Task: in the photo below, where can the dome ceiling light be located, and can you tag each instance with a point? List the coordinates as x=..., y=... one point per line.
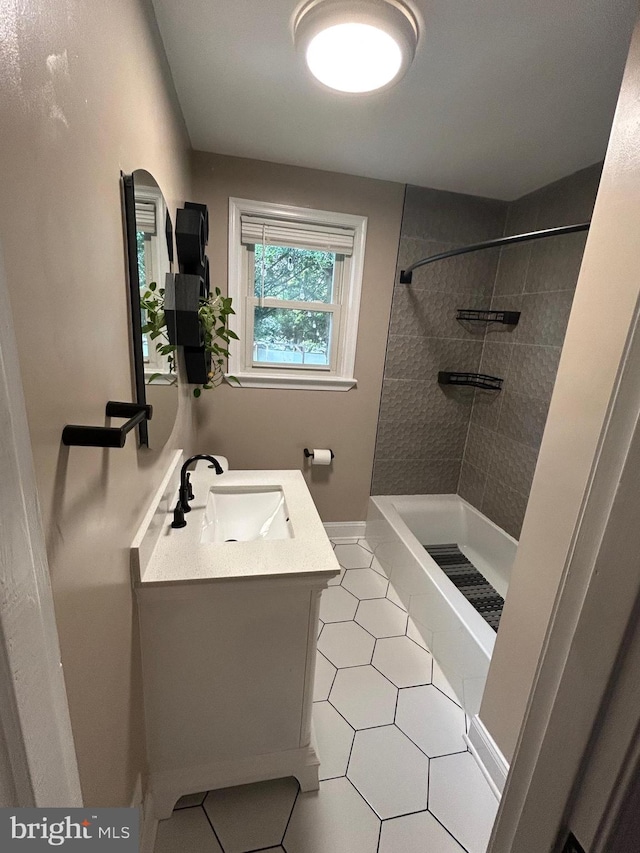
x=356, y=45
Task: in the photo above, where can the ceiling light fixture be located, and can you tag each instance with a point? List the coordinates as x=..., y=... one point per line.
x=356, y=45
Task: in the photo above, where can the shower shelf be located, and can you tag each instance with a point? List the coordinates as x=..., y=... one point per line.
x=470, y=315
x=476, y=380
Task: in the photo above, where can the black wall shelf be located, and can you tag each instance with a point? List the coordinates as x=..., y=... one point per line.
x=475, y=380
x=471, y=315
x=91, y=436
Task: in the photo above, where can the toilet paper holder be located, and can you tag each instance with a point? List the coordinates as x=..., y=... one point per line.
x=309, y=453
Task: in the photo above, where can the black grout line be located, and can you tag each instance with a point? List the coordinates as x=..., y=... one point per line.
x=372, y=810
x=340, y=714
x=404, y=814
x=295, y=800
x=212, y=826
x=379, y=838
x=457, y=704
x=448, y=831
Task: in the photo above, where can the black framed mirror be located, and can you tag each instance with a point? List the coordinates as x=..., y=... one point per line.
x=150, y=253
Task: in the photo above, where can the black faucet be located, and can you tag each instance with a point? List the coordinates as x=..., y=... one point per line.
x=186, y=494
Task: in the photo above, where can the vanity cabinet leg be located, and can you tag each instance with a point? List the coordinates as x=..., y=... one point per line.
x=308, y=778
x=163, y=805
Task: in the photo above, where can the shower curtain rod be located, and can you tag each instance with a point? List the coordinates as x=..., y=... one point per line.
x=406, y=275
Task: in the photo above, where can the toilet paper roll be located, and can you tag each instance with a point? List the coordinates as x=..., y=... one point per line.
x=320, y=456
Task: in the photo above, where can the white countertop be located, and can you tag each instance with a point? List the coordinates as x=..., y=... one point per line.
x=179, y=557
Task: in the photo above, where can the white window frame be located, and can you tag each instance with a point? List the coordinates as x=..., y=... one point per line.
x=156, y=258
x=339, y=376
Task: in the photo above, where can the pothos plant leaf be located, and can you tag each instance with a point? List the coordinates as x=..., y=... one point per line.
x=213, y=313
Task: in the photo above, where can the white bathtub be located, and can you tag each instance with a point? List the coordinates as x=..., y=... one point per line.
x=461, y=641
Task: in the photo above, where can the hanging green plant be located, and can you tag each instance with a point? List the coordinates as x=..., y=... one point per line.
x=152, y=304
x=213, y=314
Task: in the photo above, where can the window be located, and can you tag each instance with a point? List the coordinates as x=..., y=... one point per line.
x=295, y=276
x=153, y=261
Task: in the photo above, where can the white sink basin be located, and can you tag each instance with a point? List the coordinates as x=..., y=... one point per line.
x=243, y=514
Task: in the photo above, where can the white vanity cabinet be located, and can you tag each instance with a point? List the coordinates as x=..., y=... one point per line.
x=229, y=660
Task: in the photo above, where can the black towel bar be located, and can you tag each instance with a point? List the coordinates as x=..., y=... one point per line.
x=93, y=436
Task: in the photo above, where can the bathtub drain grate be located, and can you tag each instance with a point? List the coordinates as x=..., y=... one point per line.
x=474, y=586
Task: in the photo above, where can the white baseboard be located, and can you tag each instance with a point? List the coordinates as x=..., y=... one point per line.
x=345, y=529
x=149, y=828
x=148, y=823
x=485, y=751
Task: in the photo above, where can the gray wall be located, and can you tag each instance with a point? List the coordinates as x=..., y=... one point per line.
x=539, y=280
x=481, y=444
x=421, y=429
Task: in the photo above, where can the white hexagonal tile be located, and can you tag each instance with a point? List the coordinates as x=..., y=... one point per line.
x=432, y=721
x=187, y=829
x=365, y=545
x=393, y=596
x=334, y=819
x=353, y=556
x=377, y=566
x=442, y=684
x=364, y=697
x=461, y=799
x=402, y=661
x=414, y=634
x=365, y=583
x=346, y=644
x=416, y=833
x=389, y=771
x=338, y=578
x=381, y=618
x=325, y=673
x=249, y=817
x=335, y=737
x=337, y=605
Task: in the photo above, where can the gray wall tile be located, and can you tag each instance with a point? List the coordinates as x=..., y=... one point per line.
x=421, y=358
x=504, y=505
x=555, y=263
x=522, y=215
x=415, y=477
x=532, y=370
x=478, y=447
x=512, y=269
x=544, y=318
x=421, y=420
x=522, y=418
x=569, y=200
x=434, y=439
x=470, y=274
x=512, y=463
x=451, y=217
x=471, y=484
x=431, y=314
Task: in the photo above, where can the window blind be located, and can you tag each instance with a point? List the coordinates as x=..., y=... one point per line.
x=298, y=235
x=146, y=217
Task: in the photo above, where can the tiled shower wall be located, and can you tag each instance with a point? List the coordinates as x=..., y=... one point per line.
x=484, y=445
x=538, y=279
x=422, y=429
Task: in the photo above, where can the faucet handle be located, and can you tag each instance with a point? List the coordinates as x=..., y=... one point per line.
x=178, y=516
x=190, y=494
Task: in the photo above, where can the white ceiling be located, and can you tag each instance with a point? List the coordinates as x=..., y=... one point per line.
x=503, y=96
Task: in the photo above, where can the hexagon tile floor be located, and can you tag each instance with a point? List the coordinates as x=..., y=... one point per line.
x=396, y=774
